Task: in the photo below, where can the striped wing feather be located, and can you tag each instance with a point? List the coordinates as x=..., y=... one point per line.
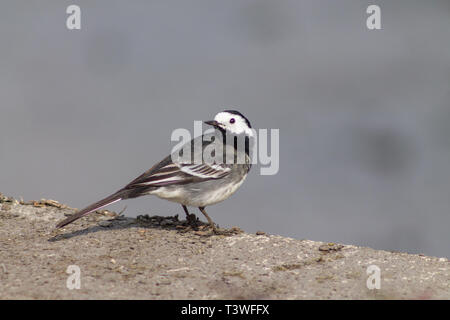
x=169, y=173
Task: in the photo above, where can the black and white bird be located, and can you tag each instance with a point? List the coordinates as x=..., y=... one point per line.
x=190, y=183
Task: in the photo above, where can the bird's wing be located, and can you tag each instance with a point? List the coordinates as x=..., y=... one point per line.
x=206, y=171
x=174, y=170
x=179, y=173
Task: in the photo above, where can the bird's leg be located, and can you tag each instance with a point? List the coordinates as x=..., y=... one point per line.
x=211, y=223
x=190, y=218
x=186, y=211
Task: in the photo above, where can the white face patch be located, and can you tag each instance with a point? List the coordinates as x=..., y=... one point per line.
x=236, y=126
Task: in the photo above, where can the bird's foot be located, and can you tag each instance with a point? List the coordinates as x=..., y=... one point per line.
x=214, y=229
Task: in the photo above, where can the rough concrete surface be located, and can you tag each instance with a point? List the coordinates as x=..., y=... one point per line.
x=163, y=258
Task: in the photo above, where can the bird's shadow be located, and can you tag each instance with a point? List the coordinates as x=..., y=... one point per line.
x=153, y=222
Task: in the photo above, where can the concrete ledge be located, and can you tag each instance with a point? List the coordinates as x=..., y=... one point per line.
x=157, y=258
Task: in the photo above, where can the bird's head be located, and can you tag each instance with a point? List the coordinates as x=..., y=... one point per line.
x=232, y=121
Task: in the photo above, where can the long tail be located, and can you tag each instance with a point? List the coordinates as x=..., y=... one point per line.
x=95, y=206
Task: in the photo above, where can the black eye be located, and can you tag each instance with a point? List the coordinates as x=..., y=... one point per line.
x=232, y=120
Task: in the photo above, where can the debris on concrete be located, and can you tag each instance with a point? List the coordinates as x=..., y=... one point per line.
x=164, y=257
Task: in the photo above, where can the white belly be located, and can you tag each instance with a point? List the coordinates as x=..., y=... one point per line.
x=197, y=197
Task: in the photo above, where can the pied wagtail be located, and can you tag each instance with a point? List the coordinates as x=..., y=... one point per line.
x=190, y=183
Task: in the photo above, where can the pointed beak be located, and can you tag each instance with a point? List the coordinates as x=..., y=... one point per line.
x=213, y=123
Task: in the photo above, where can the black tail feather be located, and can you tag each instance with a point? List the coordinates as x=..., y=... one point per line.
x=95, y=206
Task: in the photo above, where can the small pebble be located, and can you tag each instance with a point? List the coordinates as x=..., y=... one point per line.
x=104, y=224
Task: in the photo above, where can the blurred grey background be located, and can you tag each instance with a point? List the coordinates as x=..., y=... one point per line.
x=363, y=115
